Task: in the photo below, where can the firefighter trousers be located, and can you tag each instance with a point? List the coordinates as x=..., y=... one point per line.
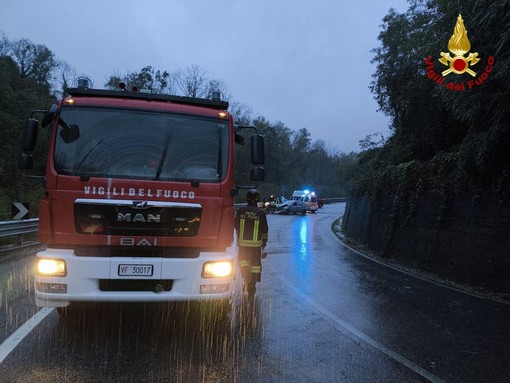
x=249, y=260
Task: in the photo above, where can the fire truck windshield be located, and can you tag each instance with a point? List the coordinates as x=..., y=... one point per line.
x=120, y=143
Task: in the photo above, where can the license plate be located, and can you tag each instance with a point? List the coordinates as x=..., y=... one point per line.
x=135, y=270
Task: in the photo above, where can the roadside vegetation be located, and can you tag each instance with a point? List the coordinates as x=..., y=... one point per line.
x=443, y=140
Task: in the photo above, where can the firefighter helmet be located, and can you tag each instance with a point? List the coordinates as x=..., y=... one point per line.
x=252, y=197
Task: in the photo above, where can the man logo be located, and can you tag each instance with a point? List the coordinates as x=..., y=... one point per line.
x=140, y=204
x=128, y=217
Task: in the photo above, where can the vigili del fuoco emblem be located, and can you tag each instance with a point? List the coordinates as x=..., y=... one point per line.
x=459, y=45
x=457, y=61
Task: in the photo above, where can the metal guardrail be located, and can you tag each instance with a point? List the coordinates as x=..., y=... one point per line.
x=333, y=200
x=26, y=226
x=14, y=231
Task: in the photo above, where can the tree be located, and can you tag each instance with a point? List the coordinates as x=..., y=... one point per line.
x=190, y=82
x=35, y=61
x=428, y=119
x=293, y=161
x=372, y=141
x=278, y=150
x=156, y=81
x=242, y=113
x=193, y=82
x=65, y=77
x=4, y=45
x=17, y=97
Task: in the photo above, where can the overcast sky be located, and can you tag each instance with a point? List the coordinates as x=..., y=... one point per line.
x=305, y=63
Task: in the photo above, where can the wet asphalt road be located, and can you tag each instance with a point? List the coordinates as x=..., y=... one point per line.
x=322, y=314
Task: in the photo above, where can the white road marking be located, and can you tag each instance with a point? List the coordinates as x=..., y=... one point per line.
x=11, y=342
x=343, y=326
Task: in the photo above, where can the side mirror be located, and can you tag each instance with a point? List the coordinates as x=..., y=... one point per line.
x=239, y=139
x=257, y=150
x=70, y=133
x=29, y=135
x=257, y=173
x=25, y=161
x=49, y=116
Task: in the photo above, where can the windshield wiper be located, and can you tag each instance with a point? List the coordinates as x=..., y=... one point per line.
x=163, y=157
x=86, y=155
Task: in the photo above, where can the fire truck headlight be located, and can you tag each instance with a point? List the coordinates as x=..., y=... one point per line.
x=221, y=269
x=51, y=267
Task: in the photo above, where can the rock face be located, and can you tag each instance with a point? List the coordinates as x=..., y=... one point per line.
x=463, y=238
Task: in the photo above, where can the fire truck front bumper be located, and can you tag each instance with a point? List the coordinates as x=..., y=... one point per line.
x=63, y=277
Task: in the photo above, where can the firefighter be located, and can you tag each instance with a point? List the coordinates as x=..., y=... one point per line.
x=251, y=229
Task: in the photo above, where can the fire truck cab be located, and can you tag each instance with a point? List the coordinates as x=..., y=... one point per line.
x=138, y=205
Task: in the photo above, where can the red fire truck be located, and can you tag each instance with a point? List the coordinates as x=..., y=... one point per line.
x=138, y=205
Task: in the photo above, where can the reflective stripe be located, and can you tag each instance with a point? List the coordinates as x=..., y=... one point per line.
x=249, y=243
x=241, y=228
x=244, y=263
x=254, y=241
x=256, y=269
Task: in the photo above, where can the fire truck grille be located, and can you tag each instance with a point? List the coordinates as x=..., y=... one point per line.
x=131, y=220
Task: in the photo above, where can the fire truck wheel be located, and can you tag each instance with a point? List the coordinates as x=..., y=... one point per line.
x=64, y=311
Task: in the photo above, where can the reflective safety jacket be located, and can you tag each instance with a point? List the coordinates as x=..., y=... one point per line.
x=251, y=227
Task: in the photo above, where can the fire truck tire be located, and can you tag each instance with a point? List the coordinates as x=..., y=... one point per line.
x=64, y=311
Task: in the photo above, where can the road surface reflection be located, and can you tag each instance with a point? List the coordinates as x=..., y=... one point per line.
x=302, y=249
